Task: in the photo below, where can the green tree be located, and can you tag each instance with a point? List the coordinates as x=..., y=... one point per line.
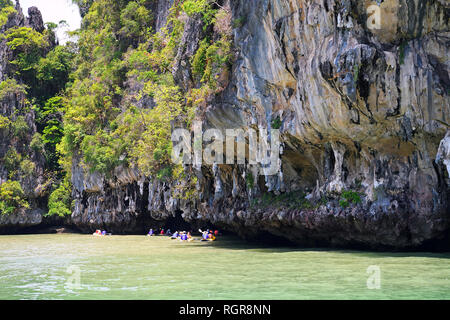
x=52, y=71
x=12, y=159
x=5, y=11
x=59, y=200
x=11, y=87
x=12, y=197
x=28, y=47
x=135, y=20
x=20, y=127
x=5, y=3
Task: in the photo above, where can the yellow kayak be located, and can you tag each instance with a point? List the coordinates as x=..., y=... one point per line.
x=210, y=239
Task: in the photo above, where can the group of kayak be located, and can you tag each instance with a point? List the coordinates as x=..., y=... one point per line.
x=207, y=235
x=99, y=233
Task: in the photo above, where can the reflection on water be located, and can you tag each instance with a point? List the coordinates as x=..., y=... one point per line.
x=137, y=267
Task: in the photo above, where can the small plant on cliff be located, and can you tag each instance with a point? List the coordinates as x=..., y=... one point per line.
x=276, y=123
x=186, y=186
x=5, y=3
x=210, y=60
x=12, y=197
x=28, y=45
x=239, y=22
x=12, y=159
x=250, y=180
x=204, y=7
x=348, y=197
x=11, y=87
x=27, y=168
x=401, y=52
x=199, y=60
x=37, y=144
x=5, y=12
x=20, y=127
x=292, y=200
x=59, y=201
x=4, y=122
x=135, y=19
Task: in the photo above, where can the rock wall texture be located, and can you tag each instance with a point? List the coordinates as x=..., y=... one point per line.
x=13, y=105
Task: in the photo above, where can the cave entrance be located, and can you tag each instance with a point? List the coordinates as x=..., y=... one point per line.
x=177, y=222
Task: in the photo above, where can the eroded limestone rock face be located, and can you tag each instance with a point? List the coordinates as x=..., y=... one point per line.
x=361, y=109
x=12, y=105
x=361, y=89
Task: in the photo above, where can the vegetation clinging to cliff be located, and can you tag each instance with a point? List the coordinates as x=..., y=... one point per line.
x=111, y=97
x=12, y=197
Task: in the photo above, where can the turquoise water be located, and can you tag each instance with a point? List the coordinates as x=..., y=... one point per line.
x=73, y=266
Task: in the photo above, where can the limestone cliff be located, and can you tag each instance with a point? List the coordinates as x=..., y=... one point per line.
x=361, y=108
x=360, y=93
x=15, y=138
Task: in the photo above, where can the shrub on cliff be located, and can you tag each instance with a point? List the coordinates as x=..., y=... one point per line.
x=214, y=54
x=11, y=87
x=20, y=127
x=5, y=11
x=4, y=122
x=27, y=45
x=52, y=71
x=12, y=197
x=348, y=197
x=135, y=19
x=12, y=159
x=5, y=3
x=59, y=201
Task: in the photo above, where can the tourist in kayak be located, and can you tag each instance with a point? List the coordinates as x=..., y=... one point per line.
x=183, y=236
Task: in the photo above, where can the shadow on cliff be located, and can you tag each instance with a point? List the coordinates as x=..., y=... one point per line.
x=233, y=242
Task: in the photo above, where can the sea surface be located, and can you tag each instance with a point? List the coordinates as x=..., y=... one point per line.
x=74, y=266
